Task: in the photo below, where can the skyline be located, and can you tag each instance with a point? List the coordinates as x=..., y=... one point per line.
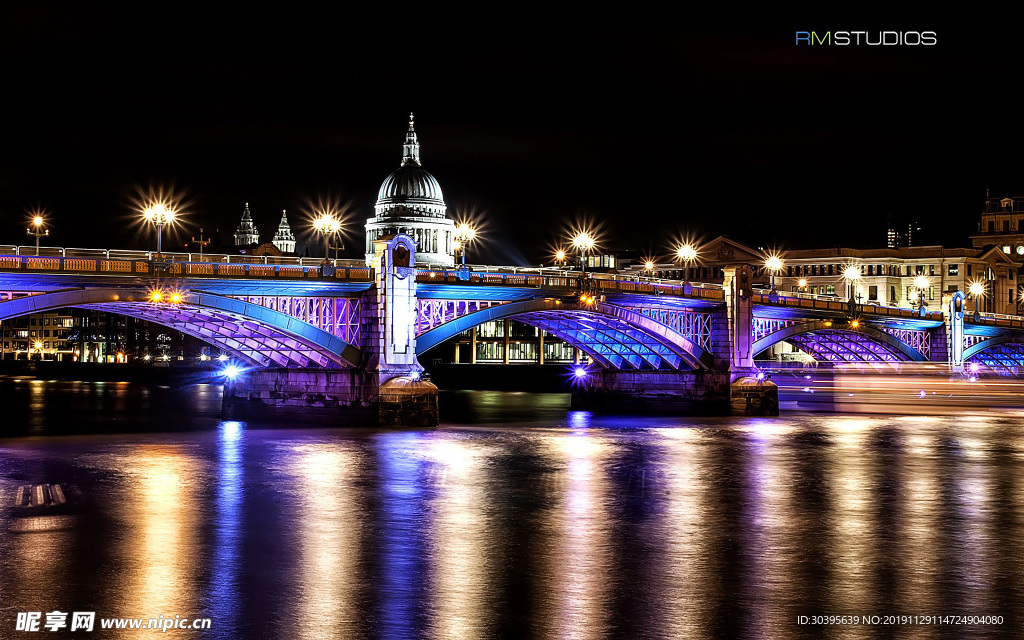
x=651, y=133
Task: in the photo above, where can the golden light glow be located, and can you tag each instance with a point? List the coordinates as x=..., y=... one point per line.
x=465, y=233
x=37, y=221
x=773, y=263
x=327, y=223
x=39, y=345
x=827, y=323
x=560, y=255
x=976, y=289
x=159, y=213
x=156, y=296
x=175, y=298
x=686, y=253
x=583, y=241
x=855, y=324
x=851, y=272
x=649, y=265
x=921, y=282
x=802, y=282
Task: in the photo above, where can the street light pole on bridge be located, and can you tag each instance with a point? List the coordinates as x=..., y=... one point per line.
x=37, y=230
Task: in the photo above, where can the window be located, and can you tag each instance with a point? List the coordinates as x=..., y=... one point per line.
x=789, y=270
x=892, y=293
x=931, y=293
x=830, y=267
x=872, y=293
x=1006, y=226
x=1006, y=248
x=931, y=269
x=968, y=268
x=908, y=269
x=1009, y=295
x=954, y=270
x=871, y=269
x=830, y=290
x=991, y=226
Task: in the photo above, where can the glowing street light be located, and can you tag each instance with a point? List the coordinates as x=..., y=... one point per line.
x=583, y=242
x=773, y=264
x=560, y=257
x=921, y=283
x=159, y=214
x=687, y=254
x=38, y=230
x=852, y=276
x=464, y=234
x=328, y=226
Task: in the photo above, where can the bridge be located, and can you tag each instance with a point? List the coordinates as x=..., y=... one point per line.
x=351, y=336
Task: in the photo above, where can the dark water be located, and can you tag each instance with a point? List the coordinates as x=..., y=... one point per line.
x=534, y=522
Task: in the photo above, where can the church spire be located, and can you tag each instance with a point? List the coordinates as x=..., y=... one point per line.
x=411, y=148
x=284, y=239
x=246, y=233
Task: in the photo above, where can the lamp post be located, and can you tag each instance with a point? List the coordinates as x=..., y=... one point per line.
x=687, y=254
x=159, y=215
x=976, y=290
x=464, y=234
x=851, y=275
x=327, y=225
x=583, y=242
x=773, y=264
x=560, y=257
x=802, y=284
x=38, y=230
x=921, y=284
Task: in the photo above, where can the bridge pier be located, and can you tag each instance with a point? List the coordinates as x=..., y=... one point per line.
x=660, y=392
x=386, y=387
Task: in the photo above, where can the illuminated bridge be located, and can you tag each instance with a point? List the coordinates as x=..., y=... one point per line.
x=363, y=328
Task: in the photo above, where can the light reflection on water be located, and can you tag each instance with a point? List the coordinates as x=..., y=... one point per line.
x=584, y=527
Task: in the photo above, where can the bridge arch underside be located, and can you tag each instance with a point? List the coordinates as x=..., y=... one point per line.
x=1004, y=357
x=838, y=346
x=249, y=333
x=614, y=337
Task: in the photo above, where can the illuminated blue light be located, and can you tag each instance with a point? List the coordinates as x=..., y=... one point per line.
x=580, y=372
x=974, y=367
x=760, y=376
x=231, y=371
x=414, y=375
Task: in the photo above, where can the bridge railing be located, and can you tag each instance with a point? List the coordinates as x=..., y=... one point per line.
x=995, y=320
x=836, y=304
x=173, y=256
x=143, y=267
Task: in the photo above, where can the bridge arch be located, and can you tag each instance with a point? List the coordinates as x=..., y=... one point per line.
x=1002, y=354
x=843, y=343
x=616, y=337
x=249, y=332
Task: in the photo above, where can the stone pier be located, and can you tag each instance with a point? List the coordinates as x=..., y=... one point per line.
x=386, y=387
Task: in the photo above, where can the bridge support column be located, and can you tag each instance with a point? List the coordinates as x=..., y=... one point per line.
x=953, y=314
x=733, y=341
x=661, y=392
x=386, y=387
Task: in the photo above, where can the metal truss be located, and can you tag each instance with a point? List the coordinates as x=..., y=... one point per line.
x=611, y=341
x=1006, y=359
x=696, y=326
x=845, y=347
x=762, y=327
x=919, y=340
x=336, y=316
x=431, y=313
x=972, y=339
x=259, y=343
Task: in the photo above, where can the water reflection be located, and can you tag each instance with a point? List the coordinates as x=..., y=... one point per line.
x=585, y=529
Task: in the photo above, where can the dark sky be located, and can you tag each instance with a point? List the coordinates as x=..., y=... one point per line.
x=650, y=128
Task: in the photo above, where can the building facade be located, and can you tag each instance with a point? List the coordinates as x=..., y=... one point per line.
x=410, y=201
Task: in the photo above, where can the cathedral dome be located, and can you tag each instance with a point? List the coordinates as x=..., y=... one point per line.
x=410, y=183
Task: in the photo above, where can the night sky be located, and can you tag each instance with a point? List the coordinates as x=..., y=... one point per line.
x=650, y=131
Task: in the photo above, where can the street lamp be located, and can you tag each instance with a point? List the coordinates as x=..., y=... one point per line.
x=464, y=234
x=977, y=290
x=802, y=283
x=773, y=264
x=852, y=276
x=583, y=242
x=159, y=215
x=687, y=254
x=560, y=257
x=921, y=284
x=327, y=225
x=38, y=230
